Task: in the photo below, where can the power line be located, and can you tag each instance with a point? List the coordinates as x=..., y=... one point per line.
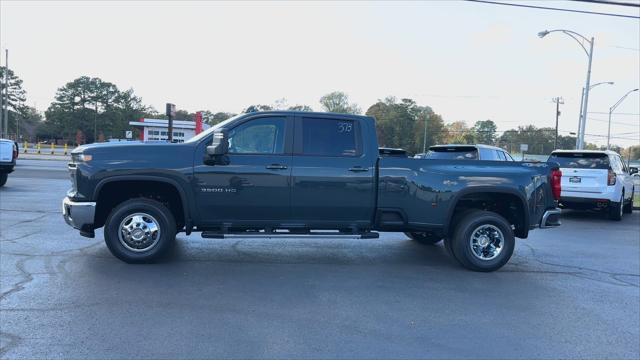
x=606, y=113
x=613, y=122
x=556, y=9
x=605, y=2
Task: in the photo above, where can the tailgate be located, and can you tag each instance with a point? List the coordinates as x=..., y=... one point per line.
x=584, y=180
x=6, y=151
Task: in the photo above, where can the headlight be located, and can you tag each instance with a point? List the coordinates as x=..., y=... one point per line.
x=81, y=157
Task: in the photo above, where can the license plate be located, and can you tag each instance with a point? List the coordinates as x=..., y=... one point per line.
x=575, y=179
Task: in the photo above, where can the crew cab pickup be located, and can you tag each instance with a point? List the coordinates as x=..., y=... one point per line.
x=8, y=156
x=303, y=174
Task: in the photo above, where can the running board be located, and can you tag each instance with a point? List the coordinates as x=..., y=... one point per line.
x=220, y=235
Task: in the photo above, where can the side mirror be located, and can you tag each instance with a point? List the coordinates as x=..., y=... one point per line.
x=220, y=144
x=633, y=170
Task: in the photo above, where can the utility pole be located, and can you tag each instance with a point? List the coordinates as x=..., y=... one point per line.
x=4, y=99
x=5, y=126
x=580, y=121
x=95, y=123
x=587, y=88
x=171, y=113
x=611, y=109
x=424, y=138
x=558, y=101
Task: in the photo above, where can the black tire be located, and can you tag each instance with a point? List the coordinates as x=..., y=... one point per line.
x=424, y=237
x=3, y=179
x=616, y=209
x=479, y=220
x=628, y=207
x=157, y=215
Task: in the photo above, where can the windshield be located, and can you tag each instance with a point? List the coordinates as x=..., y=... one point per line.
x=581, y=160
x=207, y=132
x=453, y=153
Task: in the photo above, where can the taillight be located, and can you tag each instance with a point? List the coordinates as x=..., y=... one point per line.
x=15, y=153
x=556, y=188
x=611, y=179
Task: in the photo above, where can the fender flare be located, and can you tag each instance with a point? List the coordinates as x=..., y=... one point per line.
x=183, y=196
x=487, y=189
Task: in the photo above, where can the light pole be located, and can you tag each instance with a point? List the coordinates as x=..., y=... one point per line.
x=424, y=138
x=559, y=101
x=587, y=87
x=580, y=123
x=611, y=111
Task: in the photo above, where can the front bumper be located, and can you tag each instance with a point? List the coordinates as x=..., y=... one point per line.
x=79, y=215
x=550, y=218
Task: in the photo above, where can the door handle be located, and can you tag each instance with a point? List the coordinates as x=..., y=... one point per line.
x=276, y=167
x=359, y=169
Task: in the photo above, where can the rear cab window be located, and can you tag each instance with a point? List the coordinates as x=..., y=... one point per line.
x=330, y=137
x=452, y=153
x=580, y=160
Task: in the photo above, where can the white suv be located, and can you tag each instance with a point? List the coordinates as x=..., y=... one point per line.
x=593, y=179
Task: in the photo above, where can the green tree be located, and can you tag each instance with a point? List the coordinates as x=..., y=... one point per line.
x=338, y=102
x=213, y=118
x=257, y=108
x=16, y=94
x=539, y=140
x=400, y=124
x=632, y=152
x=300, y=108
x=90, y=106
x=459, y=133
x=485, y=132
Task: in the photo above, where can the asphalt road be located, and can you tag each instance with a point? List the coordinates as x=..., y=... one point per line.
x=570, y=292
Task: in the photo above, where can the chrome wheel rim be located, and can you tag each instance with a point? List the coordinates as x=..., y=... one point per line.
x=486, y=242
x=139, y=232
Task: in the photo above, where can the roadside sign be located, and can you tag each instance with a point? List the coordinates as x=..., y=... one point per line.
x=129, y=134
x=524, y=147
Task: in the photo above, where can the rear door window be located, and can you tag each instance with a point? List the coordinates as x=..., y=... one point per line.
x=453, y=153
x=580, y=160
x=488, y=154
x=330, y=137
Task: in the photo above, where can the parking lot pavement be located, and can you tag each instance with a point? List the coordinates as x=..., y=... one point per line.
x=570, y=292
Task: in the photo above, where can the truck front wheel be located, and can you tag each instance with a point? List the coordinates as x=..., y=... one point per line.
x=3, y=179
x=424, y=237
x=139, y=230
x=482, y=241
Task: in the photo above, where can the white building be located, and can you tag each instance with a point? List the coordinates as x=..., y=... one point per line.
x=157, y=129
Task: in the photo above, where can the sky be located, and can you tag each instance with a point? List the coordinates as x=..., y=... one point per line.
x=468, y=61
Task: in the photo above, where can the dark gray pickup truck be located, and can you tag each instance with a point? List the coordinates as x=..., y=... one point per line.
x=303, y=174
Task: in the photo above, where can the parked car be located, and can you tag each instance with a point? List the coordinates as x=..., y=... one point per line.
x=302, y=173
x=8, y=156
x=465, y=152
x=594, y=179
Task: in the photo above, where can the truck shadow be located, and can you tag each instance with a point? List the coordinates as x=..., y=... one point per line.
x=394, y=250
x=594, y=215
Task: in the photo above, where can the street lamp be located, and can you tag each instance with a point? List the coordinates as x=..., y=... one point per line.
x=611, y=111
x=583, y=111
x=580, y=123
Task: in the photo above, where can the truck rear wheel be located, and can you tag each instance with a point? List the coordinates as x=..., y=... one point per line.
x=616, y=209
x=482, y=241
x=139, y=230
x=424, y=237
x=3, y=179
x=628, y=207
